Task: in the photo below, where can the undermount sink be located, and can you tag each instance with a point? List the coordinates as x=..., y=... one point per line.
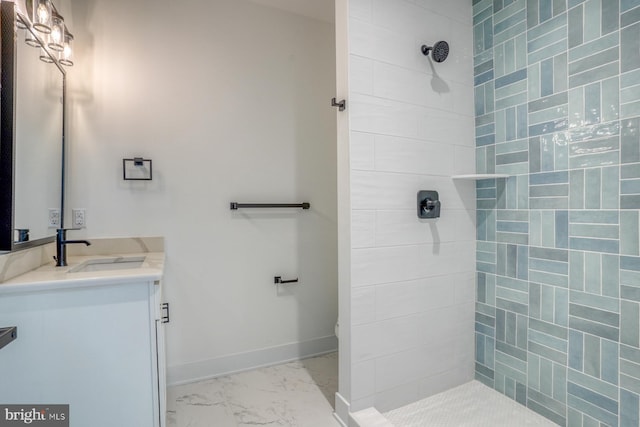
x=108, y=264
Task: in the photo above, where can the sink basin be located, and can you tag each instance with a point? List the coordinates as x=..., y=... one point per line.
x=108, y=264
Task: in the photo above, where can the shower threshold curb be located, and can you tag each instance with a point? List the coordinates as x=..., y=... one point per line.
x=471, y=404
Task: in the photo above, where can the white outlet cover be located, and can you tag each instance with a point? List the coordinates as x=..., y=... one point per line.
x=79, y=218
x=54, y=217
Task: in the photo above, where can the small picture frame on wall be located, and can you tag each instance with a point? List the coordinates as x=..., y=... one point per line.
x=137, y=169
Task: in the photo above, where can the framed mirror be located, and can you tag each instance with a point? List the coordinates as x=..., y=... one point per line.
x=31, y=137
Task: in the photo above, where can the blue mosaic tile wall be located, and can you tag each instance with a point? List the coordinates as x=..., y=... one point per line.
x=557, y=103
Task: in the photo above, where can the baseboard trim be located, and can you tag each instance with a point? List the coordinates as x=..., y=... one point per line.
x=239, y=362
x=342, y=410
x=337, y=418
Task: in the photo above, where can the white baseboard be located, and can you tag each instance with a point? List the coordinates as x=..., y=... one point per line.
x=339, y=420
x=225, y=365
x=342, y=410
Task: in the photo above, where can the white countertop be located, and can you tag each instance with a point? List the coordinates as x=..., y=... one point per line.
x=50, y=277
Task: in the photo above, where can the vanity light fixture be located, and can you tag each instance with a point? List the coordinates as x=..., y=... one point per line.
x=29, y=38
x=56, y=38
x=44, y=56
x=51, y=34
x=66, y=57
x=42, y=15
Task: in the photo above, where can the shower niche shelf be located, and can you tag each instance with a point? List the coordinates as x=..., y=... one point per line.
x=481, y=176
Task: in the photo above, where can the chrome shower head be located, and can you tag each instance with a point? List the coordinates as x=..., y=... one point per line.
x=439, y=51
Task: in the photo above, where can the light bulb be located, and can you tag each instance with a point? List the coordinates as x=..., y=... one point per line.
x=55, y=34
x=43, y=14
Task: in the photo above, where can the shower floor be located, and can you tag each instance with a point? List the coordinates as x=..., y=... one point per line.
x=471, y=404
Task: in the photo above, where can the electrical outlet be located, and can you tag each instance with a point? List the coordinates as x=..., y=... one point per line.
x=79, y=218
x=54, y=218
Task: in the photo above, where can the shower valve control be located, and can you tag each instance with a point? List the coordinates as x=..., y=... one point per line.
x=428, y=204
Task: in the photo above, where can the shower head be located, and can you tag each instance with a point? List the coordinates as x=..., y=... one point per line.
x=439, y=51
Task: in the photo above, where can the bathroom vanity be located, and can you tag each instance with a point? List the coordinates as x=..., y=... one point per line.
x=91, y=336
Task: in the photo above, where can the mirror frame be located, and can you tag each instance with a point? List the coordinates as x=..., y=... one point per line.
x=8, y=75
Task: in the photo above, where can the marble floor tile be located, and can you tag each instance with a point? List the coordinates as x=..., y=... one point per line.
x=295, y=394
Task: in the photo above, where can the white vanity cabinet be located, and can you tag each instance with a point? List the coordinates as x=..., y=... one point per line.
x=98, y=348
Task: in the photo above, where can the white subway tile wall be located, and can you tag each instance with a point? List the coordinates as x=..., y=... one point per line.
x=412, y=128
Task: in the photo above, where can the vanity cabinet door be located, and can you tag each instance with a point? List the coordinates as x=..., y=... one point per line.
x=91, y=348
x=159, y=361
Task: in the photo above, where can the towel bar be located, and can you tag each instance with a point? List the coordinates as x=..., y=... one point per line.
x=235, y=205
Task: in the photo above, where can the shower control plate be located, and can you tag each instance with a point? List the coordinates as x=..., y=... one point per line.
x=428, y=204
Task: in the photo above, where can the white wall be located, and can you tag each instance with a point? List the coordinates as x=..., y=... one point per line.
x=231, y=102
x=411, y=129
x=342, y=400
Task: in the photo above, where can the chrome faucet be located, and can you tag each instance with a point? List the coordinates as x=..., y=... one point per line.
x=61, y=246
